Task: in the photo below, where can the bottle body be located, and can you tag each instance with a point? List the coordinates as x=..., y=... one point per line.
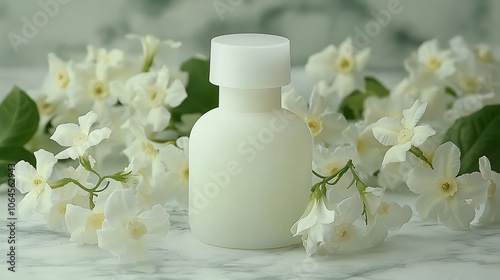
x=249, y=172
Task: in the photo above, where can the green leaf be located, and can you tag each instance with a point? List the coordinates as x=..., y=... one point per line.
x=202, y=95
x=477, y=135
x=18, y=118
x=352, y=106
x=11, y=155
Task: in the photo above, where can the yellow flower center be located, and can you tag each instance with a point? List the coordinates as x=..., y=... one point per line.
x=383, y=209
x=62, y=80
x=148, y=149
x=332, y=167
x=314, y=124
x=80, y=139
x=156, y=98
x=137, y=229
x=99, y=90
x=95, y=220
x=344, y=65
x=37, y=181
x=434, y=63
x=468, y=84
x=46, y=108
x=405, y=135
x=343, y=232
x=485, y=55
x=62, y=209
x=448, y=187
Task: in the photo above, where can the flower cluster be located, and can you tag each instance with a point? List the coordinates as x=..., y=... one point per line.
x=121, y=107
x=368, y=140
x=104, y=211
x=395, y=143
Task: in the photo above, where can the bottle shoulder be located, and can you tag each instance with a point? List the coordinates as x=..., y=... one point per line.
x=227, y=122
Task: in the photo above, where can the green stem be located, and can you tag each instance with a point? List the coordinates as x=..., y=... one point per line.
x=419, y=154
x=148, y=61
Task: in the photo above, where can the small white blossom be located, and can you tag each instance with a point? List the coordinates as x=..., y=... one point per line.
x=445, y=196
x=126, y=232
x=155, y=92
x=79, y=137
x=55, y=217
x=34, y=182
x=69, y=194
x=392, y=215
x=344, y=64
x=369, y=151
x=327, y=161
x=142, y=152
x=325, y=125
x=175, y=159
x=82, y=223
x=313, y=224
x=346, y=236
x=151, y=44
x=431, y=64
x=402, y=134
x=59, y=79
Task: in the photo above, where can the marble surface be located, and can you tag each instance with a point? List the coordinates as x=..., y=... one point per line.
x=417, y=251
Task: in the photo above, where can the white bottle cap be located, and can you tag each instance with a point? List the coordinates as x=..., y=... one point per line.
x=250, y=61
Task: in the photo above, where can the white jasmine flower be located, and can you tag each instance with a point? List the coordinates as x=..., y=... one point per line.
x=55, y=217
x=126, y=232
x=470, y=77
x=92, y=90
x=79, y=137
x=69, y=194
x=150, y=46
x=34, y=182
x=325, y=125
x=491, y=212
x=345, y=235
x=175, y=159
x=82, y=223
x=481, y=51
x=133, y=179
x=445, y=196
x=402, y=134
x=485, y=54
x=344, y=64
x=313, y=224
x=430, y=63
x=101, y=56
x=142, y=152
x=369, y=150
x=59, y=79
x=155, y=92
x=328, y=161
x=392, y=215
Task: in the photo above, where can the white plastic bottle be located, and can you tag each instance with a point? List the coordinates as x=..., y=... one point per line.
x=249, y=159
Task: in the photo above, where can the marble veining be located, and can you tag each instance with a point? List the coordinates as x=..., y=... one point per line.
x=417, y=251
